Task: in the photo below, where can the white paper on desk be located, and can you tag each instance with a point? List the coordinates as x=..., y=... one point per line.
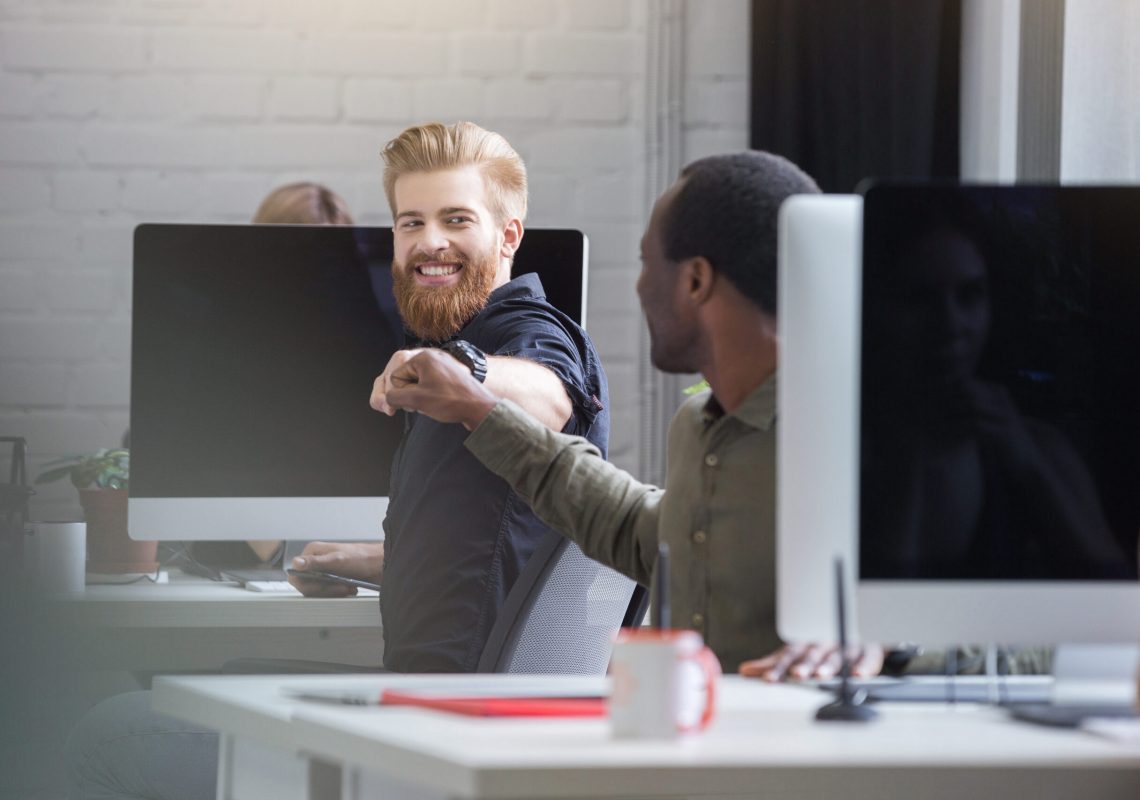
x=127, y=578
x=461, y=686
x=1114, y=728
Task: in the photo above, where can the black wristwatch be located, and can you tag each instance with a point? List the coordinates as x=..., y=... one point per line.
x=470, y=356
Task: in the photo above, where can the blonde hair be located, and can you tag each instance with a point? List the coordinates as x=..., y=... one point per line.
x=303, y=203
x=434, y=146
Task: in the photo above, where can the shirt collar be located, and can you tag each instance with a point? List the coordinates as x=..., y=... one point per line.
x=527, y=285
x=758, y=409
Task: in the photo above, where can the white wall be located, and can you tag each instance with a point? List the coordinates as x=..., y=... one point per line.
x=990, y=47
x=114, y=112
x=1100, y=116
x=715, y=116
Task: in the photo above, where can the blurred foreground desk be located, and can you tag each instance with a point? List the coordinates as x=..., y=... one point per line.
x=763, y=744
x=192, y=624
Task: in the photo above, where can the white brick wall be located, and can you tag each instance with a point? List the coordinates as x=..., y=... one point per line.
x=594, y=54
x=71, y=48
x=304, y=99
x=117, y=113
x=716, y=77
x=229, y=99
x=372, y=100
x=86, y=190
x=23, y=190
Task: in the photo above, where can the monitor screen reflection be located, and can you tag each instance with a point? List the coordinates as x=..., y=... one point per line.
x=958, y=481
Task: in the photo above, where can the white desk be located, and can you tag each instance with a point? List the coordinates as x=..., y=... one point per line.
x=195, y=624
x=763, y=744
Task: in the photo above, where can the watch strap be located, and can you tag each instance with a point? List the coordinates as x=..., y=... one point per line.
x=470, y=356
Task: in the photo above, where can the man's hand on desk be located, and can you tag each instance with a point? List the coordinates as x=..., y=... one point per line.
x=363, y=561
x=802, y=661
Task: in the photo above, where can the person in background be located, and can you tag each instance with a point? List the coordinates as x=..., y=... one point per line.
x=303, y=203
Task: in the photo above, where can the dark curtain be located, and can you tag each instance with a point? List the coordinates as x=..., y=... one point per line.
x=850, y=89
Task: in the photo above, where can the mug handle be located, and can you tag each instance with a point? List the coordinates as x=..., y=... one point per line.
x=709, y=664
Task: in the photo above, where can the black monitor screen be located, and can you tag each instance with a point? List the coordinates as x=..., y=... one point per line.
x=1000, y=383
x=254, y=350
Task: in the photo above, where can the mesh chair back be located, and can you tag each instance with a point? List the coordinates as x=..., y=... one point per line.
x=561, y=615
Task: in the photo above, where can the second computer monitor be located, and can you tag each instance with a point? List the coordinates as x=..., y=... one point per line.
x=817, y=433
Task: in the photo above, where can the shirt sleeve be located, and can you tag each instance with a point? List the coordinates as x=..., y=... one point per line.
x=971, y=660
x=533, y=334
x=610, y=515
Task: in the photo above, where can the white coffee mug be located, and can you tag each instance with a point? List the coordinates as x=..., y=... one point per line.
x=664, y=683
x=55, y=557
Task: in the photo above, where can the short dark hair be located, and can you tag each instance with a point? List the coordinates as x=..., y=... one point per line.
x=726, y=212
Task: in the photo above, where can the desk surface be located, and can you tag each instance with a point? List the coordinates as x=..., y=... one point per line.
x=193, y=624
x=763, y=741
x=189, y=601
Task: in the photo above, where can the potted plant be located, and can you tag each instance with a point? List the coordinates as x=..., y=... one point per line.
x=103, y=479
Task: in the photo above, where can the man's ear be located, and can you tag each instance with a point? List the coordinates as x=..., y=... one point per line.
x=699, y=278
x=512, y=238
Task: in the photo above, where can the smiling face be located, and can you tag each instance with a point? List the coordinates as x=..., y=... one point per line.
x=450, y=251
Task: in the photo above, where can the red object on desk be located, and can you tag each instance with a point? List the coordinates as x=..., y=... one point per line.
x=500, y=706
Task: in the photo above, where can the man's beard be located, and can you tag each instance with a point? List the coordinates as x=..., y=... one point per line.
x=436, y=313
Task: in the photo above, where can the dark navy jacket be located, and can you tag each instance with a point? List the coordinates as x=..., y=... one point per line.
x=456, y=535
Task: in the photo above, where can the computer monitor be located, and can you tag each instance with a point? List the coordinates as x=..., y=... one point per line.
x=819, y=256
x=999, y=482
x=254, y=350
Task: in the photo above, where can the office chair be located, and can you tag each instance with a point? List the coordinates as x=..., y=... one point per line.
x=559, y=618
x=561, y=615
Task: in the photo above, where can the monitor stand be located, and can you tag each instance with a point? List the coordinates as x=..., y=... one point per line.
x=1095, y=674
x=1089, y=681
x=850, y=703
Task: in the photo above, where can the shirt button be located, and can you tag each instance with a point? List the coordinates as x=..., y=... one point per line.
x=699, y=537
x=711, y=459
x=698, y=619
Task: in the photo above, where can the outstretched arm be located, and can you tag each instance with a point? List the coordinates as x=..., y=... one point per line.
x=611, y=516
x=531, y=385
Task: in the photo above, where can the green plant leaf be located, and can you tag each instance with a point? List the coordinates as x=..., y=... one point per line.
x=53, y=475
x=696, y=388
x=64, y=460
x=103, y=468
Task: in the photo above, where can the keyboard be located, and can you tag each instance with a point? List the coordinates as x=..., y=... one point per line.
x=244, y=575
x=271, y=587
x=960, y=688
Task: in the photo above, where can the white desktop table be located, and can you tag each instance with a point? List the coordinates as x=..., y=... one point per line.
x=193, y=624
x=764, y=743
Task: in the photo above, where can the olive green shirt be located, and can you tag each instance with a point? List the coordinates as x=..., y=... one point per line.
x=717, y=511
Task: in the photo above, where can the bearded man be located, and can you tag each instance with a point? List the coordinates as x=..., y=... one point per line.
x=457, y=535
